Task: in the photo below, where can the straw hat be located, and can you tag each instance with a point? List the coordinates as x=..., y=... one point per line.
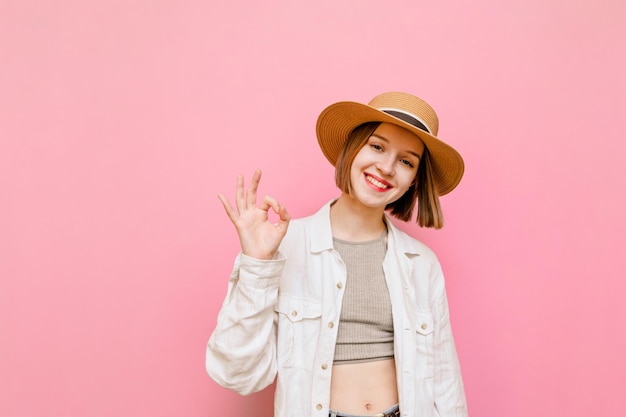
x=405, y=110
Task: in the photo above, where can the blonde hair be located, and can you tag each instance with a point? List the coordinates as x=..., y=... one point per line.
x=423, y=190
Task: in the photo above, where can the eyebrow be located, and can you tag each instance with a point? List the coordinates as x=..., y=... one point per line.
x=418, y=156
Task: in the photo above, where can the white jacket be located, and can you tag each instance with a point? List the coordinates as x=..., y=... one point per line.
x=280, y=317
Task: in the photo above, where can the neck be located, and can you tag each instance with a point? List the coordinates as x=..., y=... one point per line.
x=354, y=222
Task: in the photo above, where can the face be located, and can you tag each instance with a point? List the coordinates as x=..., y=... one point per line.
x=386, y=166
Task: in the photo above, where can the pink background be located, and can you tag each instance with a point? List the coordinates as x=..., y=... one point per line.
x=120, y=121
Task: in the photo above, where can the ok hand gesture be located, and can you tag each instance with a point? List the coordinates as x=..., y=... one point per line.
x=258, y=237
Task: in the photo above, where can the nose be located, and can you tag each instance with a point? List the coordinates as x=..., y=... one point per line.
x=386, y=166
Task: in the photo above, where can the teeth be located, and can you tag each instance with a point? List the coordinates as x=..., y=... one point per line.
x=376, y=182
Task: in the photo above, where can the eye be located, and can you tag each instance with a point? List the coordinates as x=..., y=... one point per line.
x=376, y=146
x=407, y=163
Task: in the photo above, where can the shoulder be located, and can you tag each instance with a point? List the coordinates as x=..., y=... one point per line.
x=422, y=265
x=318, y=221
x=410, y=245
x=312, y=231
x=298, y=227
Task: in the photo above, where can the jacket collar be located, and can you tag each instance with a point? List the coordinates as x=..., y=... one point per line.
x=322, y=236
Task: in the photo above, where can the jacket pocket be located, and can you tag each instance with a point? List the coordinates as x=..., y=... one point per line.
x=424, y=342
x=298, y=329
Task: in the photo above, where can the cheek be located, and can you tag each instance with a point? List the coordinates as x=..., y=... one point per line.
x=408, y=180
x=355, y=175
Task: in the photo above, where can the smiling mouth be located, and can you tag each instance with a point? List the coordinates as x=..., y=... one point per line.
x=376, y=182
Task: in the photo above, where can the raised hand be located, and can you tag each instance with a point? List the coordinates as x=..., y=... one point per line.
x=258, y=237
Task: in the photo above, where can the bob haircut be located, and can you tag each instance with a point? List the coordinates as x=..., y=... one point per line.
x=423, y=189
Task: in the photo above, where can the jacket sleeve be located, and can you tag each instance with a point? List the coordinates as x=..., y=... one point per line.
x=241, y=352
x=449, y=393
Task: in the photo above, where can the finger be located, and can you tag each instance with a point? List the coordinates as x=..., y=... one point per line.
x=239, y=198
x=252, y=189
x=283, y=215
x=269, y=202
x=279, y=209
x=283, y=219
x=232, y=214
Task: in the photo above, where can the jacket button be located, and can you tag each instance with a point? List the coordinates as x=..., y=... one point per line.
x=424, y=326
x=324, y=366
x=319, y=406
x=331, y=324
x=294, y=313
x=339, y=285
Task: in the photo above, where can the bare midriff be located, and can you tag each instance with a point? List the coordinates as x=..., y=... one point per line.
x=364, y=388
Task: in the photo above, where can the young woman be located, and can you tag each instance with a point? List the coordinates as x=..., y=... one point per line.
x=348, y=312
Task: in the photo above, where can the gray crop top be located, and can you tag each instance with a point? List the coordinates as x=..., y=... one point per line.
x=365, y=330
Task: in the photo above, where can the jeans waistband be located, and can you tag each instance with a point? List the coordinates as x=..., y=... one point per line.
x=392, y=412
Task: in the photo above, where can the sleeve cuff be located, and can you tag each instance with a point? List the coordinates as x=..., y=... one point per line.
x=260, y=273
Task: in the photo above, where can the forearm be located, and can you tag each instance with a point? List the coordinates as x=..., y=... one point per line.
x=448, y=383
x=241, y=353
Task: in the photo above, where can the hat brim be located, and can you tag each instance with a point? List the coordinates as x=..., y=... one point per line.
x=337, y=121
